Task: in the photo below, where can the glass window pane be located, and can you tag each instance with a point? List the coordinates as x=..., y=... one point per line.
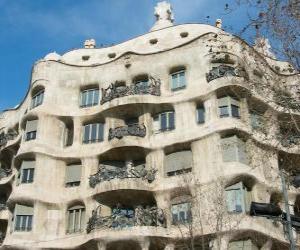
x=83, y=99
x=163, y=121
x=235, y=111
x=171, y=120
x=224, y=112
x=70, y=221
x=100, y=131
x=18, y=223
x=94, y=132
x=77, y=220
x=96, y=97
x=29, y=222
x=24, y=175
x=175, y=81
x=182, y=79
x=31, y=173
x=201, y=115
x=86, y=134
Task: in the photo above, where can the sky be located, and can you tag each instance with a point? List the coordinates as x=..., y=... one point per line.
x=30, y=29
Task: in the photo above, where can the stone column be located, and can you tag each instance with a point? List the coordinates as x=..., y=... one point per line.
x=89, y=167
x=211, y=108
x=145, y=244
x=245, y=114
x=77, y=131
x=170, y=246
x=101, y=245
x=163, y=202
x=146, y=119
x=155, y=159
x=220, y=244
x=267, y=245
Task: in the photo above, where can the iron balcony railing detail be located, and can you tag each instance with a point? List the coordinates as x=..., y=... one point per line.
x=127, y=130
x=127, y=217
x=115, y=91
x=108, y=173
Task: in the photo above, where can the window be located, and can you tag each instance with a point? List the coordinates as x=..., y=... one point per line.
x=229, y=106
x=238, y=198
x=89, y=97
x=242, y=245
x=37, y=99
x=27, y=175
x=178, y=163
x=27, y=171
x=164, y=121
x=23, y=217
x=73, y=175
x=235, y=111
x=132, y=121
x=200, y=114
x=142, y=84
x=68, y=132
x=181, y=213
x=76, y=217
x=178, y=80
x=234, y=149
x=31, y=129
x=93, y=133
x=257, y=120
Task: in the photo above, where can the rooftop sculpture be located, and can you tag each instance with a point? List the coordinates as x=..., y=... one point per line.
x=164, y=16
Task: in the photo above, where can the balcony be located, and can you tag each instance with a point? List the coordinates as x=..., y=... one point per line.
x=114, y=91
x=221, y=71
x=4, y=138
x=127, y=171
x=127, y=130
x=124, y=217
x=5, y=173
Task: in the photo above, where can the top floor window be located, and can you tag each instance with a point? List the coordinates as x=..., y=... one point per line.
x=178, y=80
x=89, y=97
x=37, y=99
x=142, y=82
x=229, y=106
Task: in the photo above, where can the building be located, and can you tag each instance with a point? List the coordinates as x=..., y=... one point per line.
x=171, y=139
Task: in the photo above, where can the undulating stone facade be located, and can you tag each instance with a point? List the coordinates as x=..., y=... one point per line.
x=171, y=140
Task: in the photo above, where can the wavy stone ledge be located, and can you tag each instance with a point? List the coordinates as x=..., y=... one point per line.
x=122, y=218
x=107, y=173
x=113, y=91
x=132, y=130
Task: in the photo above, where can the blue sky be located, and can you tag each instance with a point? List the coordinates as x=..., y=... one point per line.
x=30, y=29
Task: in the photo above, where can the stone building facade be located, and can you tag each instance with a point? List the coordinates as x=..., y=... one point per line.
x=169, y=140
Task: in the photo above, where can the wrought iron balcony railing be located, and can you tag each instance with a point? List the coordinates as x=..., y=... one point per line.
x=221, y=71
x=127, y=217
x=5, y=173
x=107, y=173
x=127, y=130
x=114, y=91
x=4, y=138
x=3, y=205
